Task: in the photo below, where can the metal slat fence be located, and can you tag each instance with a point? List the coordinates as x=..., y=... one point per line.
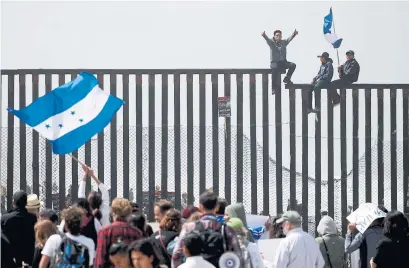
x=168, y=142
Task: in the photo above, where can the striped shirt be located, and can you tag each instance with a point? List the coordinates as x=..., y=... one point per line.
x=109, y=235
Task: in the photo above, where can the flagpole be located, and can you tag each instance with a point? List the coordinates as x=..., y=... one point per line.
x=76, y=159
x=333, y=26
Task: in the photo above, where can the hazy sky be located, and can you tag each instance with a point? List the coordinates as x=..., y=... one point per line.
x=200, y=34
x=203, y=34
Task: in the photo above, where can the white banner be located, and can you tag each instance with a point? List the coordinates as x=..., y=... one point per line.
x=268, y=248
x=365, y=215
x=254, y=221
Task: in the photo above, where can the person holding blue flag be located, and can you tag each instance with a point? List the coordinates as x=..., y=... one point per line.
x=348, y=74
x=70, y=115
x=349, y=71
x=278, y=56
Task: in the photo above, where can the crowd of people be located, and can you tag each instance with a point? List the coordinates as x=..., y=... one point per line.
x=94, y=233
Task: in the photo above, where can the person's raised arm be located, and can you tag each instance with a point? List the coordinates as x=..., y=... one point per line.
x=268, y=40
x=81, y=188
x=101, y=186
x=352, y=244
x=289, y=39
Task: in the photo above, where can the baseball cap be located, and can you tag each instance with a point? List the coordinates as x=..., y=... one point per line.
x=350, y=52
x=290, y=216
x=20, y=198
x=324, y=55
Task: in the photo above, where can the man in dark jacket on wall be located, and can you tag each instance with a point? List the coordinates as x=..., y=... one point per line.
x=18, y=227
x=321, y=80
x=278, y=56
x=348, y=74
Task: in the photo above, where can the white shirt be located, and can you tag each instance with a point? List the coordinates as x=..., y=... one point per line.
x=197, y=261
x=54, y=242
x=298, y=249
x=104, y=208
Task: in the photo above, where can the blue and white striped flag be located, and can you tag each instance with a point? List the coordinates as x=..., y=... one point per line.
x=329, y=32
x=71, y=114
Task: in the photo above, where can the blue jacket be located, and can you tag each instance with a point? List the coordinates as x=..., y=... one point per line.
x=326, y=72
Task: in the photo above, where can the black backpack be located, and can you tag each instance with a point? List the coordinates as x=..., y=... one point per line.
x=161, y=253
x=214, y=242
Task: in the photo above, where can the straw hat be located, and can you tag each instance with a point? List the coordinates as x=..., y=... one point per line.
x=33, y=201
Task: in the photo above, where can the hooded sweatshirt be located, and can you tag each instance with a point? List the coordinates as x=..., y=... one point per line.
x=237, y=211
x=334, y=244
x=326, y=72
x=366, y=243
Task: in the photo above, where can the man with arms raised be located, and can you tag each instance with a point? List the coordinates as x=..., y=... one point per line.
x=278, y=56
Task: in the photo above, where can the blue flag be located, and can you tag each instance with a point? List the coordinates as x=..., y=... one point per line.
x=329, y=32
x=71, y=114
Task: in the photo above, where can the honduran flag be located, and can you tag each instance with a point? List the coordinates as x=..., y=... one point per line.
x=71, y=114
x=329, y=31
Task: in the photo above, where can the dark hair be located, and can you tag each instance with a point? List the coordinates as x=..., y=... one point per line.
x=194, y=244
x=95, y=201
x=164, y=205
x=222, y=206
x=146, y=247
x=277, y=31
x=73, y=219
x=383, y=208
x=396, y=226
x=135, y=208
x=208, y=200
x=20, y=199
x=118, y=248
x=188, y=211
x=276, y=229
x=149, y=230
x=49, y=214
x=171, y=221
x=138, y=221
x=83, y=203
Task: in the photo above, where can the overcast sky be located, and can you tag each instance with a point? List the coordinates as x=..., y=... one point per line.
x=202, y=34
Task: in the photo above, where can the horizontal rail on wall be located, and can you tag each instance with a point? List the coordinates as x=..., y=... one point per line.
x=354, y=86
x=136, y=71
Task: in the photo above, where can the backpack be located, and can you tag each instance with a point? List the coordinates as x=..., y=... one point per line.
x=71, y=254
x=161, y=253
x=214, y=242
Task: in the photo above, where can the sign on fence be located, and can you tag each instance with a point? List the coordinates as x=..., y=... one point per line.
x=364, y=215
x=224, y=106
